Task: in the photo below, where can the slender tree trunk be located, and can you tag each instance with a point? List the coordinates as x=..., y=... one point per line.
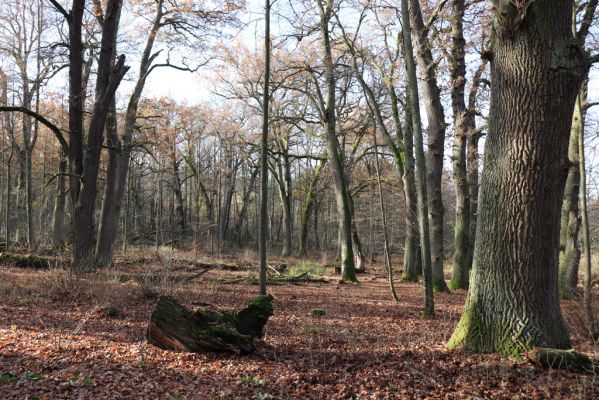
x=334, y=151
x=463, y=125
x=239, y=231
x=264, y=153
x=436, y=142
x=308, y=208
x=429, y=304
x=570, y=220
x=387, y=253
x=58, y=218
x=179, y=208
x=587, y=293
x=412, y=251
x=536, y=70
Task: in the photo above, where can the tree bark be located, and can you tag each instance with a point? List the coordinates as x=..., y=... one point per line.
x=58, y=217
x=334, y=151
x=536, y=71
x=569, y=259
x=436, y=142
x=109, y=76
x=309, y=208
x=420, y=175
x=463, y=125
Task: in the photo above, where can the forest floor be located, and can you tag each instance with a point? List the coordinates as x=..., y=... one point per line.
x=64, y=336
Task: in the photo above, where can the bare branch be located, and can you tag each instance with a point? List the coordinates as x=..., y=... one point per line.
x=56, y=130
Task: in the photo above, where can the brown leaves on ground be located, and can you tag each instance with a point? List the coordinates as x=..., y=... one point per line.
x=90, y=344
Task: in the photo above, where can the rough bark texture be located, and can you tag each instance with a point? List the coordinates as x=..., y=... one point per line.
x=173, y=327
x=263, y=225
x=569, y=259
x=463, y=124
x=436, y=142
x=109, y=76
x=420, y=175
x=334, y=151
x=119, y=164
x=513, y=301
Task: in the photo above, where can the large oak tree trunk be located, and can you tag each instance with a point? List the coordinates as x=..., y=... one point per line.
x=536, y=71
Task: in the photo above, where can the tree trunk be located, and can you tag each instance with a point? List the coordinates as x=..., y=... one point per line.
x=570, y=220
x=412, y=251
x=420, y=175
x=587, y=300
x=536, y=71
x=109, y=216
x=436, y=142
x=179, y=208
x=308, y=208
x=118, y=164
x=463, y=124
x=109, y=76
x=223, y=220
x=58, y=218
x=335, y=152
x=387, y=253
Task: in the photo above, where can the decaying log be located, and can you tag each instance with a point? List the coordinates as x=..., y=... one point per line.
x=278, y=269
x=174, y=327
x=562, y=359
x=28, y=261
x=190, y=266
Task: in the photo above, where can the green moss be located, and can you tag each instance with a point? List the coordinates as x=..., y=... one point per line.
x=318, y=312
x=455, y=283
x=468, y=323
x=262, y=302
x=227, y=334
x=409, y=277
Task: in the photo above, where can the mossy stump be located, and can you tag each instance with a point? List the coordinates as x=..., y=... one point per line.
x=174, y=327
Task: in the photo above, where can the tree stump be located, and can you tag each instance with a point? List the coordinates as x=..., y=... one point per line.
x=174, y=327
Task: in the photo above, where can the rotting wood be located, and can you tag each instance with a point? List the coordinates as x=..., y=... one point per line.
x=174, y=327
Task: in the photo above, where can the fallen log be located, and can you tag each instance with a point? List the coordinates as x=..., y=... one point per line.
x=190, y=266
x=303, y=278
x=28, y=261
x=569, y=360
x=174, y=327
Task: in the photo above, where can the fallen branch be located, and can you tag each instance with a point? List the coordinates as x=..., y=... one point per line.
x=190, y=266
x=29, y=261
x=569, y=360
x=302, y=278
